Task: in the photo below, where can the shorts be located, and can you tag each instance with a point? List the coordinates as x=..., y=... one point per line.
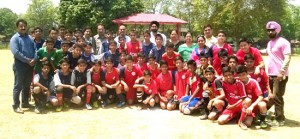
x=67, y=93
x=193, y=102
x=233, y=112
x=111, y=93
x=145, y=96
x=131, y=94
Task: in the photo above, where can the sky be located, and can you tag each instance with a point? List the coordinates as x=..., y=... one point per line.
x=20, y=6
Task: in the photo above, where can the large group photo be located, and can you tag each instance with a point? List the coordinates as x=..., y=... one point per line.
x=148, y=76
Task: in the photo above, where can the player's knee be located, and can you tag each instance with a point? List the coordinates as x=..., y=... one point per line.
x=54, y=102
x=170, y=94
x=59, y=89
x=152, y=102
x=262, y=104
x=170, y=106
x=187, y=111
x=162, y=105
x=247, y=102
x=222, y=120
x=76, y=100
x=37, y=90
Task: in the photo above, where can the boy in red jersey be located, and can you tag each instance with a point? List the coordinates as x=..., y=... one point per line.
x=170, y=56
x=128, y=76
x=141, y=65
x=165, y=87
x=146, y=91
x=112, y=83
x=153, y=66
x=81, y=79
x=234, y=94
x=133, y=46
x=232, y=63
x=97, y=76
x=122, y=44
x=213, y=95
x=195, y=86
x=253, y=100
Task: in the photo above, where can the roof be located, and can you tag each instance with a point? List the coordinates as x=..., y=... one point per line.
x=143, y=18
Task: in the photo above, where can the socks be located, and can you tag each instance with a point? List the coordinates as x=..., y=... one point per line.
x=59, y=98
x=243, y=115
x=121, y=97
x=263, y=117
x=139, y=95
x=88, y=94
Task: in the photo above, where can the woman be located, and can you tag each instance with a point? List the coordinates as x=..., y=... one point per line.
x=201, y=49
x=185, y=50
x=245, y=48
x=174, y=38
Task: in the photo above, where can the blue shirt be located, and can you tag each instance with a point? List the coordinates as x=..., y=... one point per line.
x=115, y=57
x=158, y=53
x=23, y=48
x=147, y=48
x=39, y=45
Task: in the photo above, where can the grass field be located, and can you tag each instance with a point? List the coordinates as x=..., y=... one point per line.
x=130, y=123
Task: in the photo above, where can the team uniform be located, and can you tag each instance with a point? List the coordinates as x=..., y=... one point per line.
x=164, y=82
x=216, y=60
x=253, y=91
x=129, y=78
x=170, y=60
x=115, y=57
x=89, y=59
x=41, y=98
x=111, y=78
x=193, y=82
x=59, y=55
x=141, y=68
x=60, y=78
x=180, y=83
x=263, y=81
x=152, y=89
x=254, y=52
x=233, y=93
x=133, y=49
x=41, y=54
x=81, y=78
x=154, y=71
x=73, y=61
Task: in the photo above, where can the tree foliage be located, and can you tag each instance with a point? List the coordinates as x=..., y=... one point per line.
x=7, y=22
x=81, y=13
x=41, y=13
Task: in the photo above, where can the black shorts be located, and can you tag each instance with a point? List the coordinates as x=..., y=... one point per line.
x=67, y=93
x=111, y=93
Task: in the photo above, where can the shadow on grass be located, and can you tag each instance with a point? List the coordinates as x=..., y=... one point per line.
x=291, y=123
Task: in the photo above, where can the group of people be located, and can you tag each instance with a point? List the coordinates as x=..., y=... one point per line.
x=76, y=68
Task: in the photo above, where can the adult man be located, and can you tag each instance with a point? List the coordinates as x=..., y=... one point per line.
x=154, y=26
x=279, y=51
x=99, y=38
x=24, y=51
x=208, y=33
x=122, y=32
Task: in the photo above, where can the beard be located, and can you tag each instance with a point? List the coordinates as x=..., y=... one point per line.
x=272, y=36
x=154, y=30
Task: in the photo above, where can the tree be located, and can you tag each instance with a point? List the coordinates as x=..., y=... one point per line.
x=82, y=13
x=7, y=22
x=158, y=6
x=41, y=13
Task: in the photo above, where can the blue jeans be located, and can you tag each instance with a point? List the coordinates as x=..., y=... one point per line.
x=23, y=78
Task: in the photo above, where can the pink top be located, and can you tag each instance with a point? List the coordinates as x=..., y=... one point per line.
x=254, y=52
x=276, y=50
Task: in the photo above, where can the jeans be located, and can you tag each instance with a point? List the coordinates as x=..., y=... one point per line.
x=23, y=77
x=278, y=89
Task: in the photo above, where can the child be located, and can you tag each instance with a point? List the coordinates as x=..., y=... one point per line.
x=165, y=87
x=203, y=59
x=153, y=67
x=147, y=45
x=170, y=56
x=69, y=37
x=43, y=88
x=81, y=79
x=253, y=100
x=232, y=63
x=195, y=86
x=223, y=57
x=112, y=53
x=234, y=94
x=78, y=33
x=159, y=49
x=63, y=88
x=87, y=55
x=141, y=65
x=97, y=76
x=146, y=91
x=108, y=38
x=122, y=60
x=53, y=33
x=87, y=35
x=128, y=76
x=213, y=95
x=60, y=54
x=75, y=55
x=122, y=44
x=133, y=46
x=45, y=54
x=112, y=83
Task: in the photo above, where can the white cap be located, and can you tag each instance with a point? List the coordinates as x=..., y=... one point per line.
x=76, y=100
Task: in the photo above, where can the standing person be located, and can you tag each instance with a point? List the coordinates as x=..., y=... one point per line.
x=38, y=40
x=133, y=46
x=210, y=39
x=147, y=45
x=159, y=49
x=174, y=38
x=61, y=33
x=99, y=39
x=154, y=26
x=24, y=51
x=201, y=49
x=279, y=51
x=122, y=32
x=87, y=35
x=185, y=50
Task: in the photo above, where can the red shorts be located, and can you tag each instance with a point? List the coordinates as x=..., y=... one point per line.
x=131, y=94
x=233, y=112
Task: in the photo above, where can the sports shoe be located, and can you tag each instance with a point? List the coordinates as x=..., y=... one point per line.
x=19, y=110
x=88, y=106
x=263, y=125
x=120, y=104
x=95, y=104
x=27, y=105
x=103, y=104
x=282, y=123
x=204, y=117
x=59, y=108
x=276, y=123
x=243, y=126
x=37, y=110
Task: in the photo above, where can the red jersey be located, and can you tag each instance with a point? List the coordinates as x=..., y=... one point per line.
x=170, y=60
x=97, y=77
x=194, y=82
x=122, y=48
x=262, y=79
x=216, y=59
x=164, y=83
x=252, y=89
x=133, y=48
x=155, y=72
x=234, y=92
x=152, y=89
x=111, y=77
x=254, y=52
x=180, y=83
x=129, y=77
x=141, y=68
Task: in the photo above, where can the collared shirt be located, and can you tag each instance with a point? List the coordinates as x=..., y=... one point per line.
x=99, y=40
x=152, y=39
x=23, y=48
x=210, y=41
x=116, y=39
